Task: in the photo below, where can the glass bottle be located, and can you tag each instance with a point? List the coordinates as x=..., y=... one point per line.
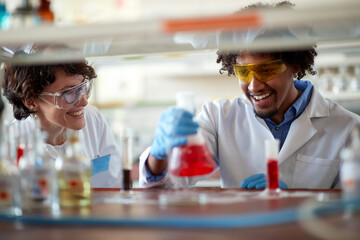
x=39, y=187
x=10, y=199
x=192, y=159
x=341, y=80
x=44, y=12
x=74, y=173
x=350, y=170
x=25, y=15
x=4, y=16
x=354, y=84
x=327, y=82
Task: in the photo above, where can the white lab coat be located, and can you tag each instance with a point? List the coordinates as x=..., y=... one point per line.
x=96, y=140
x=309, y=158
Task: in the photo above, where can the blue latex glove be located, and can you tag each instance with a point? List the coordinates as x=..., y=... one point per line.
x=173, y=127
x=258, y=181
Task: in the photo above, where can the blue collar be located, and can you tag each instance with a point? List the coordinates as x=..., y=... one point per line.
x=299, y=105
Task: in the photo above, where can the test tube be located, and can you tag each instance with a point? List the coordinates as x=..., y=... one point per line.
x=271, y=155
x=126, y=153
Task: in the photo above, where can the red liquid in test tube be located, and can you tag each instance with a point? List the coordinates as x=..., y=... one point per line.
x=271, y=154
x=273, y=173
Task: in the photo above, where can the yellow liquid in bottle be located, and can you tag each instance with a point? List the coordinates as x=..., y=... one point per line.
x=74, y=188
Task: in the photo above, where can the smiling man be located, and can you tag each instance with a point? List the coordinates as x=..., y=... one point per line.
x=312, y=130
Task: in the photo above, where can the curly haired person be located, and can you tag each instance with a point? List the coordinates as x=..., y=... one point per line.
x=57, y=95
x=276, y=104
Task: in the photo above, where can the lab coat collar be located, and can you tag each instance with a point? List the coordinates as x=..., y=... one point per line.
x=318, y=106
x=302, y=129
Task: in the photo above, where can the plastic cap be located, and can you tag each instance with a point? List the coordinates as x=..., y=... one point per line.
x=185, y=100
x=272, y=148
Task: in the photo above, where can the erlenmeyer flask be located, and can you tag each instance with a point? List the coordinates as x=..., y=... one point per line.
x=193, y=158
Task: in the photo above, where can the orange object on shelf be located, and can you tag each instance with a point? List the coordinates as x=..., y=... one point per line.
x=44, y=11
x=231, y=22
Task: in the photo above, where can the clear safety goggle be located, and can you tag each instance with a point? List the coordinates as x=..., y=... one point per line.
x=262, y=71
x=68, y=98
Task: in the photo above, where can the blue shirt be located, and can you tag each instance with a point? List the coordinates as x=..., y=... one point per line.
x=281, y=130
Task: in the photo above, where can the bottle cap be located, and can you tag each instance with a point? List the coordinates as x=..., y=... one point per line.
x=185, y=100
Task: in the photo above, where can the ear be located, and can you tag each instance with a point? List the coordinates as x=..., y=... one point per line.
x=31, y=104
x=296, y=69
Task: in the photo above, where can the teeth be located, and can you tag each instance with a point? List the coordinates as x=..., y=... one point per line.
x=77, y=113
x=262, y=96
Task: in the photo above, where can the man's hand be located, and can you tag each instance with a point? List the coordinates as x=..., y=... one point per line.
x=258, y=181
x=174, y=125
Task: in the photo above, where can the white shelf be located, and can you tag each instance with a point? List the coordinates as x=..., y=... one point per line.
x=323, y=24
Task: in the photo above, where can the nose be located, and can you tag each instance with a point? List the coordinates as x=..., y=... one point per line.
x=255, y=85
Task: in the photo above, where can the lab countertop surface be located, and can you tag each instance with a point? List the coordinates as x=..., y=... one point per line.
x=206, y=213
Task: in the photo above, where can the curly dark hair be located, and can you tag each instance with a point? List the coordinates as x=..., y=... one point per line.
x=24, y=82
x=303, y=58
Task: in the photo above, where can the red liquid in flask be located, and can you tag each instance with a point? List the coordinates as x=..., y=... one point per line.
x=273, y=173
x=191, y=161
x=19, y=154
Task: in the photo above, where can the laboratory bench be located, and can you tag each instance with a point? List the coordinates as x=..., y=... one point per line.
x=195, y=213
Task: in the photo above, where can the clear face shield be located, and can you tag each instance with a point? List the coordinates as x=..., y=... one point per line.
x=68, y=98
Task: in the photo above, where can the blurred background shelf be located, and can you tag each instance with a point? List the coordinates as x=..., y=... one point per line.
x=136, y=28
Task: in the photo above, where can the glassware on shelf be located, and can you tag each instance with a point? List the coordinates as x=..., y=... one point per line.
x=4, y=16
x=25, y=15
x=192, y=159
x=341, y=80
x=326, y=81
x=44, y=12
x=354, y=82
x=74, y=174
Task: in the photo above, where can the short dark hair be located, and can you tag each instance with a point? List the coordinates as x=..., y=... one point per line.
x=303, y=58
x=24, y=82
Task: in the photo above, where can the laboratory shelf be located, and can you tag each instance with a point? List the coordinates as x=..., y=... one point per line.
x=196, y=27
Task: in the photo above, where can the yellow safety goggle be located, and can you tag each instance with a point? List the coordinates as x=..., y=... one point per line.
x=262, y=71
